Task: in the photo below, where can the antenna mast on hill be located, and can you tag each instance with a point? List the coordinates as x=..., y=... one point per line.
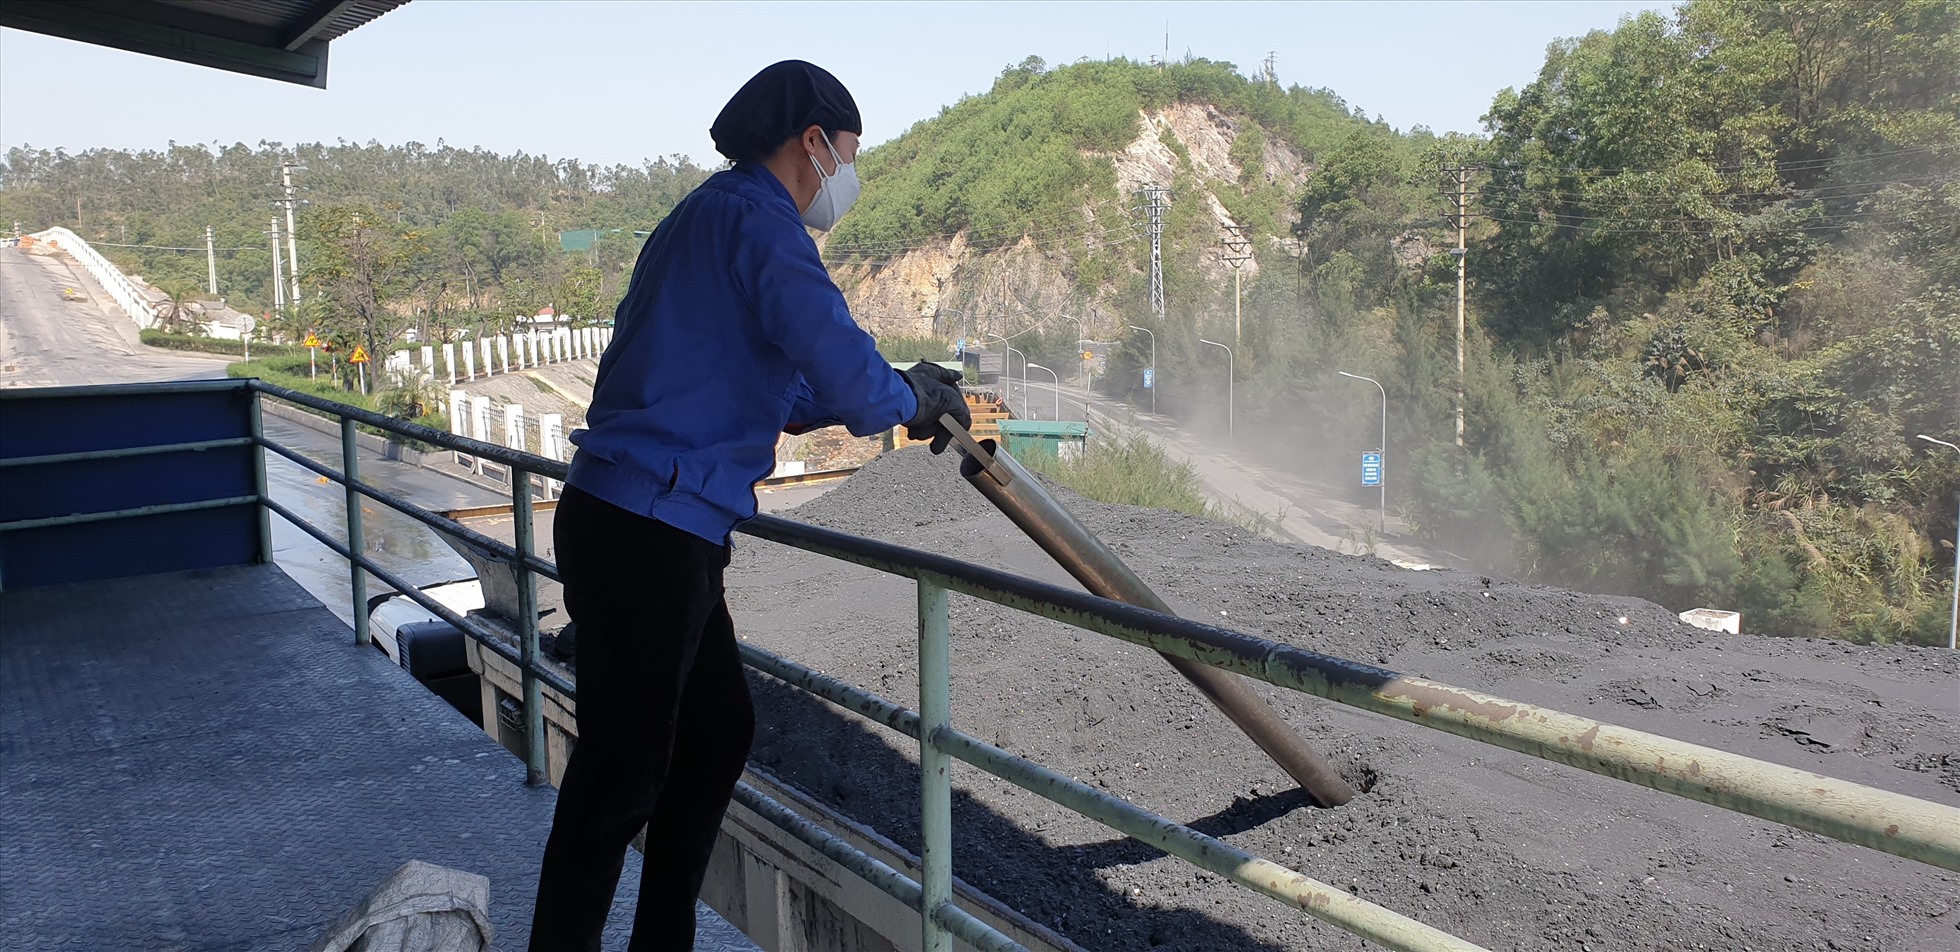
x=1272, y=67
x=1156, y=198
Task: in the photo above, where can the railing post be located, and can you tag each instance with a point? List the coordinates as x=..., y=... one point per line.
x=535, y=769
x=256, y=409
x=935, y=778
x=350, y=465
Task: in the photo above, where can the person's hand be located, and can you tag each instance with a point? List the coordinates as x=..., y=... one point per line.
x=938, y=390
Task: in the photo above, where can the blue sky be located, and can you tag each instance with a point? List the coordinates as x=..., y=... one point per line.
x=615, y=82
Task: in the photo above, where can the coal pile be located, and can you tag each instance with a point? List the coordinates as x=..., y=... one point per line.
x=1503, y=849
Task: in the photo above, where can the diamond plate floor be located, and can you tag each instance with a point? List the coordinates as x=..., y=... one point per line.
x=204, y=761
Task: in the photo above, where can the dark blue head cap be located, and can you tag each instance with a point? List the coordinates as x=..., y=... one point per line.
x=781, y=102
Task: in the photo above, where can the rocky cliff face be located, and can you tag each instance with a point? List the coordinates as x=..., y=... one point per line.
x=945, y=285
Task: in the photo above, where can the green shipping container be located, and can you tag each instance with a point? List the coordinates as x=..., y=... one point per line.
x=1063, y=439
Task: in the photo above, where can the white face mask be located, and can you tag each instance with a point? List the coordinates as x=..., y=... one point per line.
x=835, y=193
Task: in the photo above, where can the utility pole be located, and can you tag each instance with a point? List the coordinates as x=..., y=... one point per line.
x=1457, y=189
x=211, y=258
x=286, y=170
x=1238, y=250
x=1272, y=68
x=1156, y=198
x=278, y=280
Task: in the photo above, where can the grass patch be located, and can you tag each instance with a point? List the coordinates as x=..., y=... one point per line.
x=1130, y=472
x=214, y=345
x=908, y=350
x=291, y=372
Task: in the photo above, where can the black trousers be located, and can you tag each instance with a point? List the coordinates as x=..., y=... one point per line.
x=664, y=720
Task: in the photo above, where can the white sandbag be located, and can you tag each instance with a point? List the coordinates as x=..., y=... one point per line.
x=420, y=907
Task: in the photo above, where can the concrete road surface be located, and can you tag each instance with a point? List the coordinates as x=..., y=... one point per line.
x=1297, y=508
x=59, y=328
x=50, y=338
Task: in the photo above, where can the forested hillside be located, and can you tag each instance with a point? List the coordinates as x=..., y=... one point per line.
x=1712, y=258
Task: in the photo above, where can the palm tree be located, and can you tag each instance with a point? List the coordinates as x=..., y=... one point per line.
x=178, y=313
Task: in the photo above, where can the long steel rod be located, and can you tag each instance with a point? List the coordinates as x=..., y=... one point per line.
x=469, y=627
x=135, y=513
x=125, y=453
x=1318, y=899
x=350, y=462
x=935, y=768
x=962, y=924
x=1099, y=570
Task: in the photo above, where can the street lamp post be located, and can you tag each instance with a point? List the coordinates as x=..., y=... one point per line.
x=1953, y=616
x=1384, y=477
x=1058, y=389
x=1231, y=387
x=1007, y=368
x=1153, y=366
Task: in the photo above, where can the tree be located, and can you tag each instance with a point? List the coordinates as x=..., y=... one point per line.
x=362, y=262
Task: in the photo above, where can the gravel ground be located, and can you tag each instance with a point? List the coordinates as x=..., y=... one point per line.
x=1504, y=849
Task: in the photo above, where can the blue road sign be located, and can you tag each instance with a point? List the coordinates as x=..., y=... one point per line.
x=1371, y=469
x=1149, y=377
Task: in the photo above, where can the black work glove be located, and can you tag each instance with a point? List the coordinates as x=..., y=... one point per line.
x=938, y=390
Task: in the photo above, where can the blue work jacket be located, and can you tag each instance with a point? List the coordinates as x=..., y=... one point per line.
x=730, y=333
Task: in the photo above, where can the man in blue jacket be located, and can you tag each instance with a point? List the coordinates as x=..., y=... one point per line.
x=730, y=334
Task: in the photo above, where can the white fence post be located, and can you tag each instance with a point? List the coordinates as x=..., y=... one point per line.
x=428, y=361
x=469, y=360
x=459, y=416
x=480, y=425
x=503, y=353
x=449, y=361
x=550, y=435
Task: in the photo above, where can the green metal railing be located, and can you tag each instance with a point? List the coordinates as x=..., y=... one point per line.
x=1893, y=823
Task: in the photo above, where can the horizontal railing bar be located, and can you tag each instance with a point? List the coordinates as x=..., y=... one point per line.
x=841, y=693
x=885, y=879
x=125, y=453
x=494, y=548
x=468, y=627
x=75, y=519
x=1350, y=913
x=1885, y=821
x=516, y=459
x=1889, y=822
x=1330, y=903
x=92, y=390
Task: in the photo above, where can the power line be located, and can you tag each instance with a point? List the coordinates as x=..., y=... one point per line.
x=111, y=244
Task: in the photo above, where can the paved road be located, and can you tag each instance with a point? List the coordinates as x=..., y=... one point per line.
x=1299, y=508
x=51, y=338
x=58, y=328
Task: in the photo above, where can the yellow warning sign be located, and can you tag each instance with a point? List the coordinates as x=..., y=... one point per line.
x=312, y=339
x=360, y=355
x=1088, y=355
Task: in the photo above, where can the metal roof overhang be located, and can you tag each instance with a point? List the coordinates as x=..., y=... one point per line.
x=284, y=40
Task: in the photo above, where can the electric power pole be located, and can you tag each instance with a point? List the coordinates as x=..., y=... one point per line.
x=1272, y=68
x=211, y=258
x=1457, y=190
x=1238, y=250
x=1156, y=199
x=278, y=280
x=286, y=170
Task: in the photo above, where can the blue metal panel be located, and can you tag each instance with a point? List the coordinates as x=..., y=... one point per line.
x=82, y=419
